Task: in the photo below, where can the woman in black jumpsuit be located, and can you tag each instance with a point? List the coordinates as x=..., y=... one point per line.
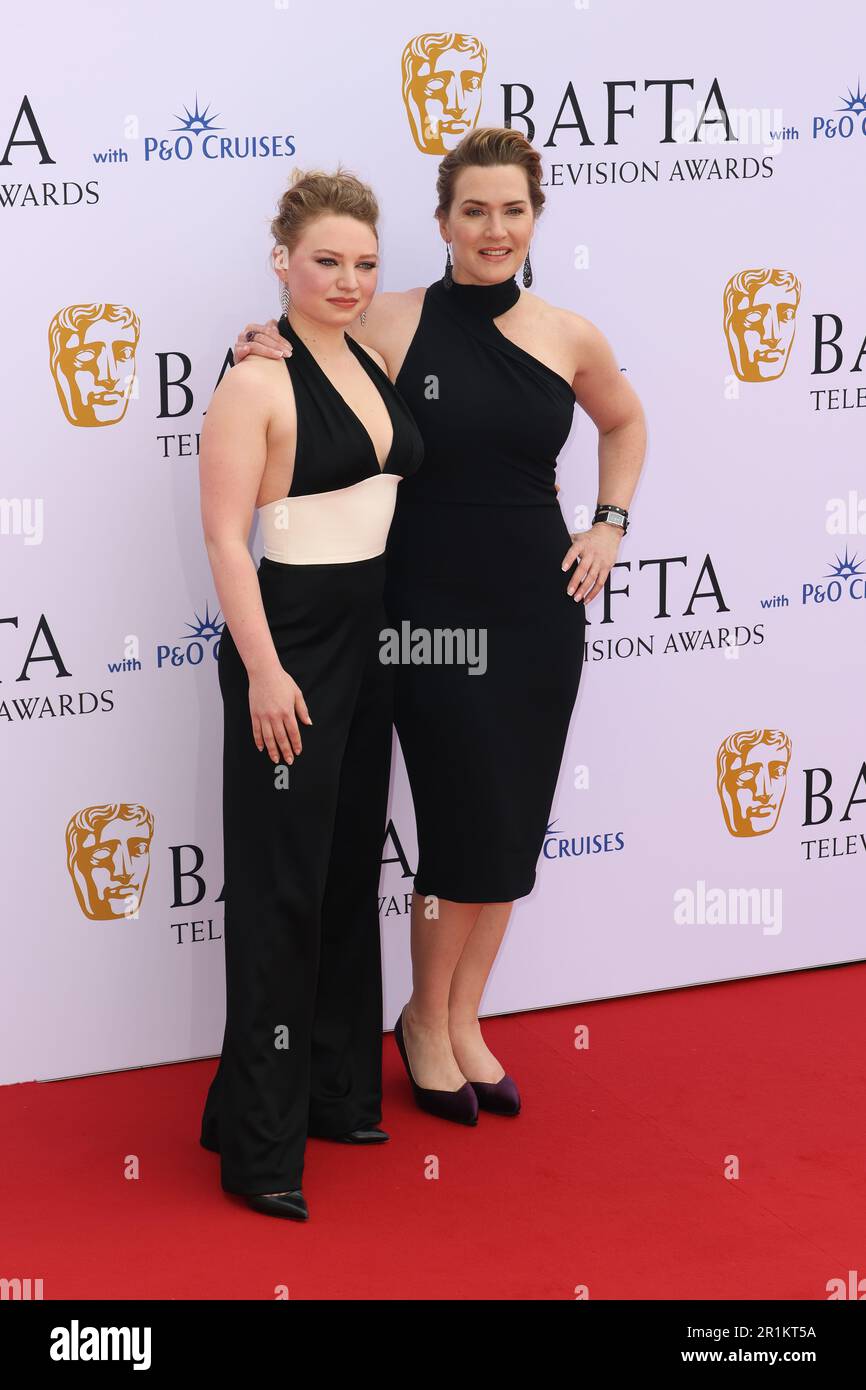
x=302, y=1050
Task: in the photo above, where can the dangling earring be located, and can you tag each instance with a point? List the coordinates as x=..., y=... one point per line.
x=527, y=272
x=447, y=278
x=284, y=297
x=363, y=316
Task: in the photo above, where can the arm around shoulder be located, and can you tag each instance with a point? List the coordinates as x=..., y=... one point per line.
x=387, y=315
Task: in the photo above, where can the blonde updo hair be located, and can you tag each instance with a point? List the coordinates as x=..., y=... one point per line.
x=312, y=193
x=485, y=146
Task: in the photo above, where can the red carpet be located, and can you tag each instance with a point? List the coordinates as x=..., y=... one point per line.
x=612, y=1177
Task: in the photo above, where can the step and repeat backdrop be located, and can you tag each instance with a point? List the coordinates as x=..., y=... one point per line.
x=704, y=186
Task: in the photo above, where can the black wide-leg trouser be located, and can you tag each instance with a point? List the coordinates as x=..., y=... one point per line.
x=302, y=1049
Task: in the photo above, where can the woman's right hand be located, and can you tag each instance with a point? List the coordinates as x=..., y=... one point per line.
x=268, y=342
x=276, y=704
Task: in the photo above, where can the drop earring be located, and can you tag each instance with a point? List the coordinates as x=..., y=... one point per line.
x=527, y=272
x=447, y=278
x=284, y=297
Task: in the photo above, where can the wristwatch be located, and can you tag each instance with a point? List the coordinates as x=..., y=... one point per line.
x=615, y=516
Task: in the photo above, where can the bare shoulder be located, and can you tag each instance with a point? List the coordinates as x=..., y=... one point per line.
x=255, y=376
x=255, y=371
x=398, y=296
x=376, y=356
x=246, y=393
x=600, y=386
x=562, y=320
x=391, y=318
x=393, y=305
x=589, y=345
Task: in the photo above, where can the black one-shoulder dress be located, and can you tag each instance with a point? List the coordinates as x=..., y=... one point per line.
x=476, y=548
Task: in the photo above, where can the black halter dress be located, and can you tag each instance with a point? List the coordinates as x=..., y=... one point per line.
x=475, y=547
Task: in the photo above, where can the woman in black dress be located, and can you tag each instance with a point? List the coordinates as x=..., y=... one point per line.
x=491, y=374
x=319, y=450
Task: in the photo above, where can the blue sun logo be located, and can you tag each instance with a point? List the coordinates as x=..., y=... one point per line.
x=206, y=627
x=846, y=568
x=855, y=101
x=196, y=121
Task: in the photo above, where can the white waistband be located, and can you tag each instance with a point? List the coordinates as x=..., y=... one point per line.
x=325, y=528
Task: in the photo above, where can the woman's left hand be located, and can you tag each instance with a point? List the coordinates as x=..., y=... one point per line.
x=595, y=552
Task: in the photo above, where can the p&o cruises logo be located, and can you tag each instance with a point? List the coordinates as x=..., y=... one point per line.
x=199, y=137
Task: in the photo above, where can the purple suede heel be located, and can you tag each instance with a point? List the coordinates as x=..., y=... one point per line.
x=500, y=1097
x=460, y=1106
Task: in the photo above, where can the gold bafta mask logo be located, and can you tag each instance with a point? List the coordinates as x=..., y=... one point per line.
x=442, y=77
x=92, y=353
x=760, y=318
x=108, y=857
x=751, y=777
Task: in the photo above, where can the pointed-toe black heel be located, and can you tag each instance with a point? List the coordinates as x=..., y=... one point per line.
x=460, y=1106
x=289, y=1204
x=363, y=1136
x=499, y=1097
